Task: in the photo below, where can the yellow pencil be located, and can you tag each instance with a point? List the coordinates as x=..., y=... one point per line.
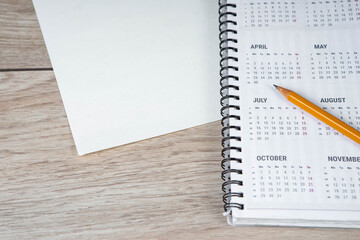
x=320, y=114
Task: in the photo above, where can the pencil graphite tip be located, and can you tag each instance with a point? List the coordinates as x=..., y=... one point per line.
x=275, y=86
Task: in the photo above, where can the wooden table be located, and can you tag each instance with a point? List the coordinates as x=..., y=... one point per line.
x=167, y=187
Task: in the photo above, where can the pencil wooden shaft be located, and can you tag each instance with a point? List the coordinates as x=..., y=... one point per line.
x=324, y=116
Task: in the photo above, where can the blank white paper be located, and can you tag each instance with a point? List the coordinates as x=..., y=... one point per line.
x=132, y=70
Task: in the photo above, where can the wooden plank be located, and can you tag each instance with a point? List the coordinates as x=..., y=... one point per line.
x=21, y=42
x=163, y=188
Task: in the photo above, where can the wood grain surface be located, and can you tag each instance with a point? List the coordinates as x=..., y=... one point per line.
x=167, y=187
x=21, y=42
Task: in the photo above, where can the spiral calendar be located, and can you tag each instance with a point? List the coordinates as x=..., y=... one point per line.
x=281, y=165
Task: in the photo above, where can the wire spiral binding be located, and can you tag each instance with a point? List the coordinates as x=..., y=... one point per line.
x=228, y=74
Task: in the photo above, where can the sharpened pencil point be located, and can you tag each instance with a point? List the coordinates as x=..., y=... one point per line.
x=275, y=86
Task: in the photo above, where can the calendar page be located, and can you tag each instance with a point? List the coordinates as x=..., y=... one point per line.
x=294, y=166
